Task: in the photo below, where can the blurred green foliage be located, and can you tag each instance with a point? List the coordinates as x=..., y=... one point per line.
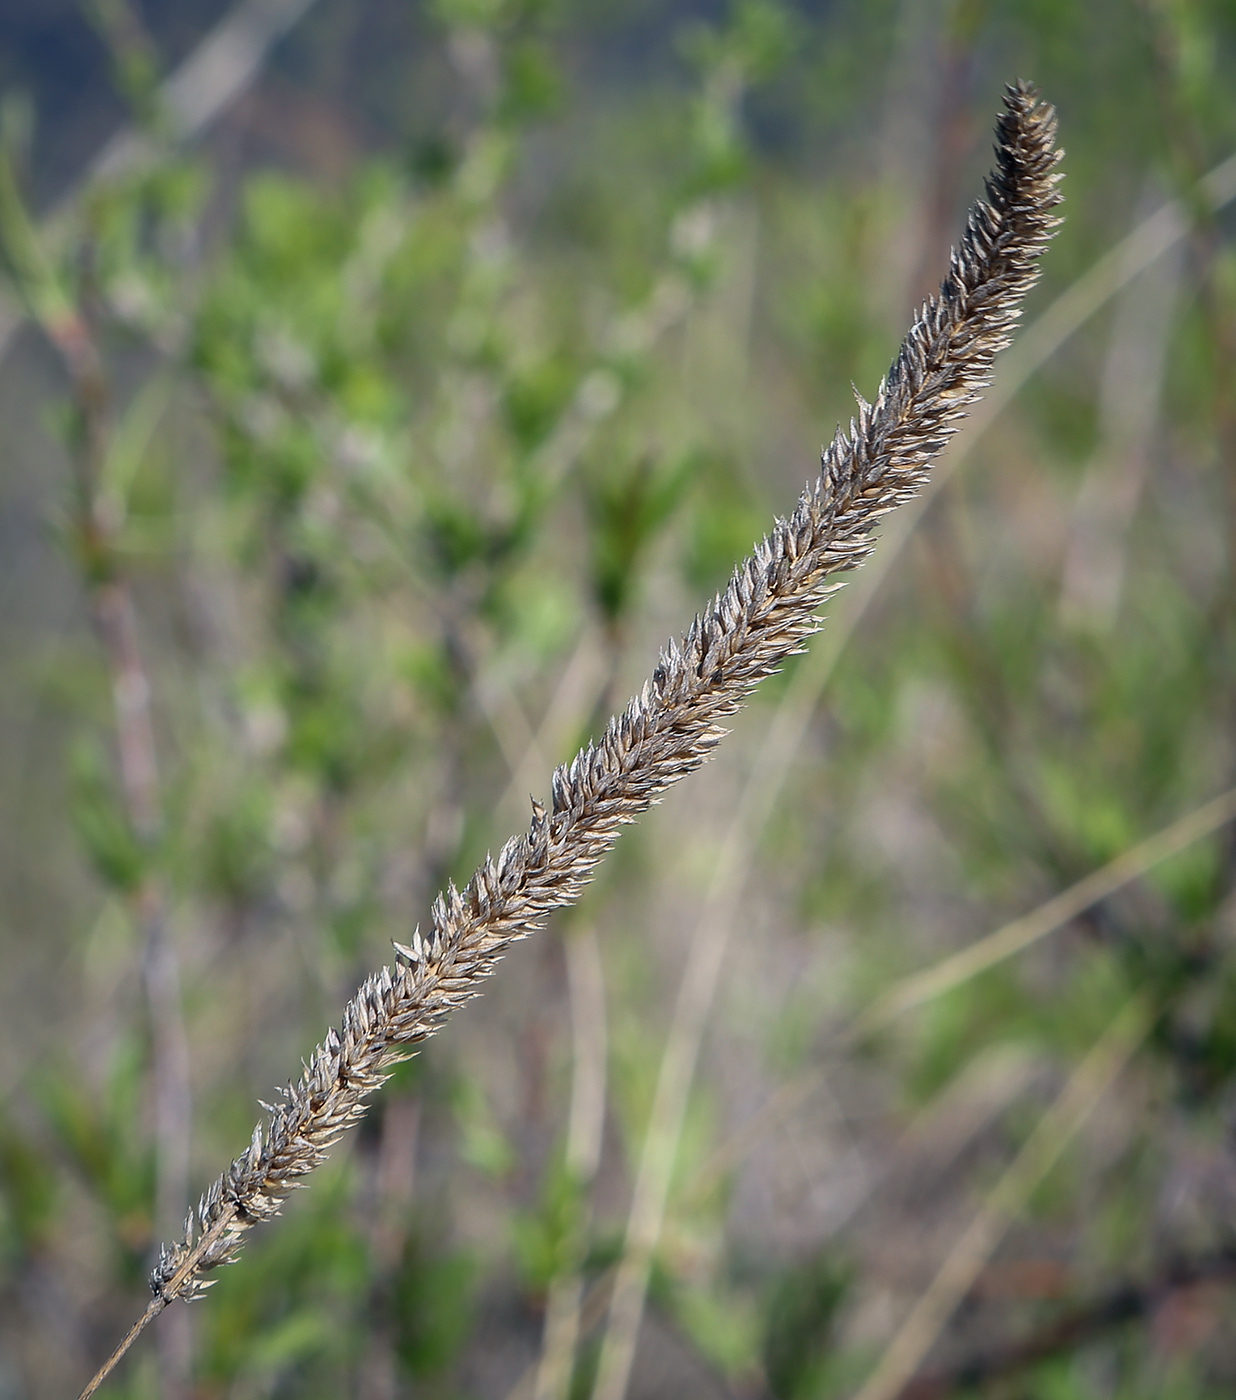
x=398, y=460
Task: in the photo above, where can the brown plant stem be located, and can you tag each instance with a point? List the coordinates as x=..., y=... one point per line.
x=158, y=1303
x=153, y=1309
x=116, y=623
x=97, y=519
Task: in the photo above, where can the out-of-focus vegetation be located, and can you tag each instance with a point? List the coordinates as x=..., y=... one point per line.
x=349, y=490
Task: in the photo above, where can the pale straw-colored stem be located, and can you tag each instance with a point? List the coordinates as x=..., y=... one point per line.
x=187, y=1268
x=919, y=988
x=1014, y=937
x=1131, y=388
x=585, y=1133
x=1081, y=1095
x=660, y=1146
x=153, y=1309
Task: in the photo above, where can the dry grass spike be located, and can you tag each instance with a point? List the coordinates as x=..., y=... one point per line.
x=763, y=616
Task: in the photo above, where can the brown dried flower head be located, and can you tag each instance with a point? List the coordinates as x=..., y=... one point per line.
x=762, y=617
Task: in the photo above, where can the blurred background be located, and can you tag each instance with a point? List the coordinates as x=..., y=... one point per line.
x=383, y=382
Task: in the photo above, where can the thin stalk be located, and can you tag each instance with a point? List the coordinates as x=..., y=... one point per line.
x=919, y=988
x=1018, y=935
x=1081, y=1095
x=1129, y=406
x=97, y=519
x=585, y=1132
x=153, y=1309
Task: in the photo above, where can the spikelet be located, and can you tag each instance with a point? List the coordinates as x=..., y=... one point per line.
x=763, y=616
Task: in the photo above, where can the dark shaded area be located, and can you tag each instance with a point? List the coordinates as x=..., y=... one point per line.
x=51, y=54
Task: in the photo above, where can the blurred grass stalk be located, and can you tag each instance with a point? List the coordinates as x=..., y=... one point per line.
x=98, y=463
x=214, y=74
x=1081, y=1095
x=919, y=988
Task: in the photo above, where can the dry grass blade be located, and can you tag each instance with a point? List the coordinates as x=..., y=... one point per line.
x=763, y=616
x=919, y=988
x=1085, y=1088
x=585, y=1134
x=1012, y=938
